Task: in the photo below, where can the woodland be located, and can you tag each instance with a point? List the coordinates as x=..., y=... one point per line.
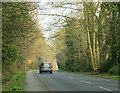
x=89, y=41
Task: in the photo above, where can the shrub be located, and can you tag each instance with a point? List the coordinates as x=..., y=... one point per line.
x=9, y=54
x=114, y=70
x=105, y=66
x=5, y=80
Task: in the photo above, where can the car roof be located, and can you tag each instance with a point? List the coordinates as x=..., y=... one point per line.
x=45, y=62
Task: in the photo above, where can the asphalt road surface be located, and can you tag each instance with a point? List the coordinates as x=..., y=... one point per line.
x=60, y=81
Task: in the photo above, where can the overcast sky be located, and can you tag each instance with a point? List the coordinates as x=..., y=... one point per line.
x=47, y=22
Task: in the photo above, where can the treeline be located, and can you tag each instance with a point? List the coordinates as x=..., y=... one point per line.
x=20, y=29
x=91, y=41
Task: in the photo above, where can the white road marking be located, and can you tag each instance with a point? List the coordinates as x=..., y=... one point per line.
x=85, y=82
x=107, y=79
x=104, y=88
x=109, y=84
x=70, y=77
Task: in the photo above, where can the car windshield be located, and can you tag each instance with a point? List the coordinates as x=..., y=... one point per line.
x=46, y=64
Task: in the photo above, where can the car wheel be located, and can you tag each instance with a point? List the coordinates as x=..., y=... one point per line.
x=51, y=72
x=40, y=72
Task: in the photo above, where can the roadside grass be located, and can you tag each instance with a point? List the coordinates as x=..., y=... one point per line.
x=100, y=75
x=34, y=70
x=103, y=75
x=116, y=77
x=61, y=71
x=15, y=84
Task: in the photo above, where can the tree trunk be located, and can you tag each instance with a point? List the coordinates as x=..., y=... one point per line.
x=88, y=36
x=91, y=53
x=94, y=50
x=98, y=53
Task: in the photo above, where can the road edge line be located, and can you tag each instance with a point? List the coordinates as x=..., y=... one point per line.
x=105, y=88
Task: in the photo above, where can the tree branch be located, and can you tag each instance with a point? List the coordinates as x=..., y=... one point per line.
x=93, y=13
x=54, y=36
x=70, y=8
x=58, y=15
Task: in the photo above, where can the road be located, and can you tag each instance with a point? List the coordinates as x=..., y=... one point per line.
x=61, y=81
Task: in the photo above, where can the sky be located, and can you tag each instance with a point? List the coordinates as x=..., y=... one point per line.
x=47, y=22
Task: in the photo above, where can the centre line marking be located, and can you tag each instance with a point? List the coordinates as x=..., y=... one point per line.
x=104, y=88
x=70, y=77
x=86, y=82
x=109, y=84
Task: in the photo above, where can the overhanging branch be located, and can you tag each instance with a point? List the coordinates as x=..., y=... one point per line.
x=54, y=36
x=58, y=15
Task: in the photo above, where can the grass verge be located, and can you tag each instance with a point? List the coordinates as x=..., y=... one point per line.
x=15, y=84
x=100, y=75
x=116, y=77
